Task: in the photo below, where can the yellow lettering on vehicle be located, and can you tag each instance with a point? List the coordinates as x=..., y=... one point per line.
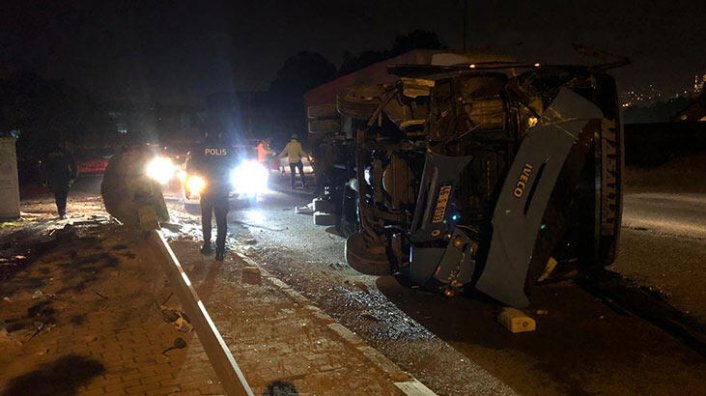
x=521, y=183
x=441, y=202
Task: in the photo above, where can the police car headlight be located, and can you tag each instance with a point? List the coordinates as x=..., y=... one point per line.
x=250, y=177
x=195, y=184
x=160, y=169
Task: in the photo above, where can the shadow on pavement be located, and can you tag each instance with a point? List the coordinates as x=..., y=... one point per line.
x=61, y=377
x=576, y=334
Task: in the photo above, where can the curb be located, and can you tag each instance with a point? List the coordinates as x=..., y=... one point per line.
x=404, y=381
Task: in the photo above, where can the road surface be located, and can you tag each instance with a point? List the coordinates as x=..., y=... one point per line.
x=664, y=244
x=682, y=215
x=581, y=347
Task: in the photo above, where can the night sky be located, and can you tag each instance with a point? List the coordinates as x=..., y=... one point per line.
x=180, y=51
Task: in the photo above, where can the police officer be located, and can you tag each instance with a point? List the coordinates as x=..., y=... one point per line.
x=61, y=171
x=212, y=160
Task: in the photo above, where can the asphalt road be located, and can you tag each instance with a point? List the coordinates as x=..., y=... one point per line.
x=455, y=346
x=682, y=215
x=663, y=244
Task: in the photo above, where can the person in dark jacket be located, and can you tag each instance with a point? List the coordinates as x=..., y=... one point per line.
x=61, y=171
x=213, y=161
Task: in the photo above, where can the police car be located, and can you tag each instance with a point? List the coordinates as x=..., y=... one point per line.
x=249, y=178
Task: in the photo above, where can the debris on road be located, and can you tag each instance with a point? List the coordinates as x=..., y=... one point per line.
x=551, y=265
x=357, y=285
x=39, y=326
x=179, y=343
x=251, y=275
x=308, y=209
x=369, y=315
x=324, y=218
x=242, y=223
x=178, y=318
x=516, y=321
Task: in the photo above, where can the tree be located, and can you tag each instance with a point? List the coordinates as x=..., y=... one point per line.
x=417, y=39
x=47, y=112
x=299, y=74
x=302, y=72
x=306, y=70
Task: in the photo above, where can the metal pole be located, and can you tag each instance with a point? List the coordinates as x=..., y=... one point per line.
x=232, y=379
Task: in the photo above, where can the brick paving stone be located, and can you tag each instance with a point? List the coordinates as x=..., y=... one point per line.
x=275, y=335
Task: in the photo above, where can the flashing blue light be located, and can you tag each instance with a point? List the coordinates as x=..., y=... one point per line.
x=456, y=217
x=543, y=226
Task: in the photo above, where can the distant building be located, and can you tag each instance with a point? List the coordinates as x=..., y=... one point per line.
x=695, y=112
x=699, y=83
x=644, y=96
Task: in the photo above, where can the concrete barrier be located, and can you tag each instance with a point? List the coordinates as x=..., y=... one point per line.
x=9, y=185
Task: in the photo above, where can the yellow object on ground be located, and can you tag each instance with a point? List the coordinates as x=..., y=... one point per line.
x=516, y=321
x=551, y=265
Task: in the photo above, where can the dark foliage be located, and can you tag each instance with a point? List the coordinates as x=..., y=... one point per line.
x=418, y=39
x=658, y=112
x=44, y=113
x=299, y=74
x=307, y=70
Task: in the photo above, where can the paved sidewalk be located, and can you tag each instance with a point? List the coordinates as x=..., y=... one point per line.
x=279, y=338
x=91, y=313
x=84, y=318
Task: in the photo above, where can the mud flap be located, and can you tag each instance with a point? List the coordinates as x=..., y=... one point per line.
x=453, y=265
x=433, y=224
x=525, y=194
x=432, y=215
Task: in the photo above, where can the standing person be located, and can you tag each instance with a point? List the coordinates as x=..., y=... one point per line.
x=294, y=153
x=61, y=171
x=212, y=161
x=263, y=151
